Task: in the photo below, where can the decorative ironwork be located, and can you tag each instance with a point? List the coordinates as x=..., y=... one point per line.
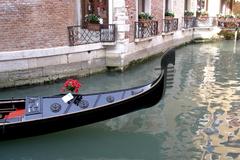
x=110, y=99
x=33, y=105
x=55, y=107
x=107, y=33
x=170, y=25
x=228, y=22
x=206, y=22
x=144, y=29
x=188, y=22
x=83, y=104
x=77, y=99
x=79, y=35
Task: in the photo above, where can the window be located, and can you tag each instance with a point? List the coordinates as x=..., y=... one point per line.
x=166, y=5
x=97, y=7
x=202, y=5
x=144, y=6
x=186, y=5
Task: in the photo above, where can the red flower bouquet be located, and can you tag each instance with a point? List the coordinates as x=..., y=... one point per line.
x=71, y=85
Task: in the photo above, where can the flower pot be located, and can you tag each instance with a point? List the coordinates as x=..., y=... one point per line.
x=221, y=19
x=188, y=17
x=203, y=18
x=144, y=23
x=169, y=17
x=93, y=27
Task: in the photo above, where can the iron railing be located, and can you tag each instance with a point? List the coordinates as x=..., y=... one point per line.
x=206, y=22
x=170, y=25
x=107, y=33
x=79, y=35
x=145, y=29
x=189, y=22
x=228, y=22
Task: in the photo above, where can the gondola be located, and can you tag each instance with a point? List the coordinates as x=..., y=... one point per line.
x=40, y=115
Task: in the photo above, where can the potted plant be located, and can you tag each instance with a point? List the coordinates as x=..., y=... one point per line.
x=169, y=15
x=203, y=16
x=220, y=17
x=237, y=17
x=93, y=22
x=188, y=14
x=144, y=18
x=229, y=18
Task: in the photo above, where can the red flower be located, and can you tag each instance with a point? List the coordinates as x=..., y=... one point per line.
x=71, y=85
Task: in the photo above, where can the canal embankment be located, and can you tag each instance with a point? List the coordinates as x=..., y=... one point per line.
x=28, y=67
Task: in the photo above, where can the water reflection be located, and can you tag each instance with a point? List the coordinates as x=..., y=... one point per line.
x=217, y=92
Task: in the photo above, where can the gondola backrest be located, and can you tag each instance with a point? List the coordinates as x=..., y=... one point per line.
x=167, y=64
x=168, y=58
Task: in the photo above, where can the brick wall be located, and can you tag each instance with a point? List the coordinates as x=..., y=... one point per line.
x=131, y=13
x=27, y=24
x=157, y=12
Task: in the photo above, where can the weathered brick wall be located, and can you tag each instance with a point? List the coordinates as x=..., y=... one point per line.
x=157, y=12
x=28, y=24
x=131, y=13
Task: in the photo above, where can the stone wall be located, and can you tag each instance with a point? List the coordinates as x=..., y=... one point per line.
x=27, y=24
x=41, y=65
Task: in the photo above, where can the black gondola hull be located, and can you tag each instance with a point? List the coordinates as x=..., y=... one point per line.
x=110, y=105
x=48, y=125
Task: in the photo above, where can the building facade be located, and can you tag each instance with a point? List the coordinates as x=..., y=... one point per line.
x=46, y=40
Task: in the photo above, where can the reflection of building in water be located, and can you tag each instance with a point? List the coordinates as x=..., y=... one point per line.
x=150, y=122
x=221, y=132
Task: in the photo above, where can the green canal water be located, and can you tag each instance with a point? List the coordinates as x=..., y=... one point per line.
x=197, y=119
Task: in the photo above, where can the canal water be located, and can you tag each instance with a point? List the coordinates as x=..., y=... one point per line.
x=198, y=118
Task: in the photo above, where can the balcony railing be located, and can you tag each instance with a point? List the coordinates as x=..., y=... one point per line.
x=230, y=23
x=170, y=25
x=79, y=35
x=189, y=22
x=145, y=29
x=206, y=22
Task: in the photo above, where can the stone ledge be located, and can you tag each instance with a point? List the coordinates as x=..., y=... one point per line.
x=187, y=29
x=109, y=43
x=168, y=34
x=137, y=40
x=203, y=28
x=47, y=52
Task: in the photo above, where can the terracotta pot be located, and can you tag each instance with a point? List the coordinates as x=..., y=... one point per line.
x=93, y=27
x=169, y=17
x=188, y=17
x=203, y=18
x=145, y=23
x=221, y=19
